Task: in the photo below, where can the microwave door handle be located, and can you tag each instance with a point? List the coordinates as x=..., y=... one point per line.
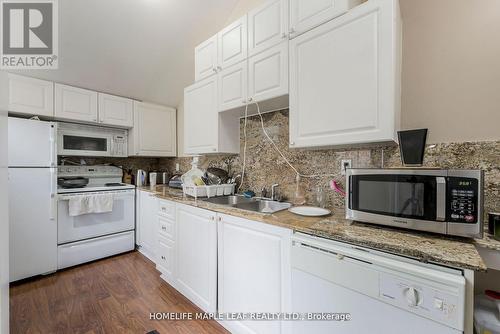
x=440, y=198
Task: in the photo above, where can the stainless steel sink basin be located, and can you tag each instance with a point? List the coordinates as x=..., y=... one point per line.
x=229, y=200
x=250, y=204
x=264, y=206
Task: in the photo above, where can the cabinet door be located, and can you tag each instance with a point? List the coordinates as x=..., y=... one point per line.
x=115, y=110
x=233, y=86
x=268, y=73
x=344, y=79
x=232, y=43
x=31, y=96
x=253, y=272
x=201, y=123
x=147, y=224
x=196, y=253
x=77, y=104
x=267, y=25
x=165, y=259
x=205, y=59
x=155, y=130
x=307, y=14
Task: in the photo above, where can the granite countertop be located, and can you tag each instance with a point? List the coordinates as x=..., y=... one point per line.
x=488, y=242
x=425, y=247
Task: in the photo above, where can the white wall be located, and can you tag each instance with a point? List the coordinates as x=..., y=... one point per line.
x=4, y=218
x=451, y=68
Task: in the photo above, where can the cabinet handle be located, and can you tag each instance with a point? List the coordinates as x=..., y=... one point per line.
x=284, y=35
x=292, y=143
x=214, y=69
x=163, y=228
x=219, y=219
x=291, y=31
x=250, y=99
x=163, y=257
x=219, y=68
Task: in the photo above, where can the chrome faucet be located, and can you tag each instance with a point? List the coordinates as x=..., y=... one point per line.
x=273, y=191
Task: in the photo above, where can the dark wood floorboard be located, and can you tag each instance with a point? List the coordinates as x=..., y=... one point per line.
x=113, y=295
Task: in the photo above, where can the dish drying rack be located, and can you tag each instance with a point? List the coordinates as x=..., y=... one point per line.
x=209, y=190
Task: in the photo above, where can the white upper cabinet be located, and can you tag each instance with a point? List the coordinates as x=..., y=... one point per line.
x=345, y=78
x=154, y=132
x=233, y=86
x=200, y=117
x=307, y=14
x=267, y=25
x=205, y=129
x=232, y=43
x=205, y=59
x=31, y=96
x=116, y=110
x=73, y=103
x=268, y=73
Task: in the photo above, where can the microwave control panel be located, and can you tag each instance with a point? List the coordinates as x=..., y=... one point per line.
x=462, y=199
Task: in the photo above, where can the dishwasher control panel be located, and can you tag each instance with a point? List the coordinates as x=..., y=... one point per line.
x=438, y=302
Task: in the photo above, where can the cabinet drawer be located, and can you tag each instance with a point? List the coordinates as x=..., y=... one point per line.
x=166, y=209
x=165, y=257
x=166, y=228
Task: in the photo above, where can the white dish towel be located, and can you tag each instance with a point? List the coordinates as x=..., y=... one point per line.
x=95, y=203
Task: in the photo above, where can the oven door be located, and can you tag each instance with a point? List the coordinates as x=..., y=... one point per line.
x=414, y=201
x=75, y=143
x=93, y=225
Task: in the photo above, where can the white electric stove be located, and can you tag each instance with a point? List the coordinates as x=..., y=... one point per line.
x=93, y=236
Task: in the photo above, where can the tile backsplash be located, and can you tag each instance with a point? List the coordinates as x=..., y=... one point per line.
x=265, y=167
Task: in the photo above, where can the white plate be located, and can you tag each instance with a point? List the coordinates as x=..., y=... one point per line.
x=309, y=211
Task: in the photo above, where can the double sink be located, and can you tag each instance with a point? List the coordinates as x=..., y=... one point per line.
x=250, y=204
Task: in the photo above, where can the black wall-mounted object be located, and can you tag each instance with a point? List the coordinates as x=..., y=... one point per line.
x=412, y=146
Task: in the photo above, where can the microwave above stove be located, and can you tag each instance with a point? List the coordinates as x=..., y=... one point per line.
x=434, y=200
x=88, y=140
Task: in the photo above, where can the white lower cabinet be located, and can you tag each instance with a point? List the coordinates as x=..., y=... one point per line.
x=253, y=272
x=165, y=242
x=196, y=256
x=146, y=218
x=225, y=264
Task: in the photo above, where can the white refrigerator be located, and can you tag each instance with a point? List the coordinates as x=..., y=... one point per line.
x=32, y=159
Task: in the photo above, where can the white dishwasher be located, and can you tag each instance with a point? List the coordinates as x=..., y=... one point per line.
x=379, y=292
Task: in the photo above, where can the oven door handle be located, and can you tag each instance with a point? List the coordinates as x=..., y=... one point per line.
x=440, y=199
x=119, y=193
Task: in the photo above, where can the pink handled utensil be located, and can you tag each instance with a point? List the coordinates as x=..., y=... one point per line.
x=337, y=188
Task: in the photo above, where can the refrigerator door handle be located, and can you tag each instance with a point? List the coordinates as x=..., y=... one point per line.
x=53, y=197
x=53, y=148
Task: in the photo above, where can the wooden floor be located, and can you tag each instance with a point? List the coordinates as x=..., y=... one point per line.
x=114, y=295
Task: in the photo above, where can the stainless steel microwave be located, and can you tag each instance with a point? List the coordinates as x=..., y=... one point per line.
x=434, y=200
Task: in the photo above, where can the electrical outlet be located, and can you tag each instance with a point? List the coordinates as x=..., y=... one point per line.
x=345, y=163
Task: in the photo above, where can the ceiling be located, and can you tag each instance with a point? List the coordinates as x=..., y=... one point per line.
x=142, y=49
